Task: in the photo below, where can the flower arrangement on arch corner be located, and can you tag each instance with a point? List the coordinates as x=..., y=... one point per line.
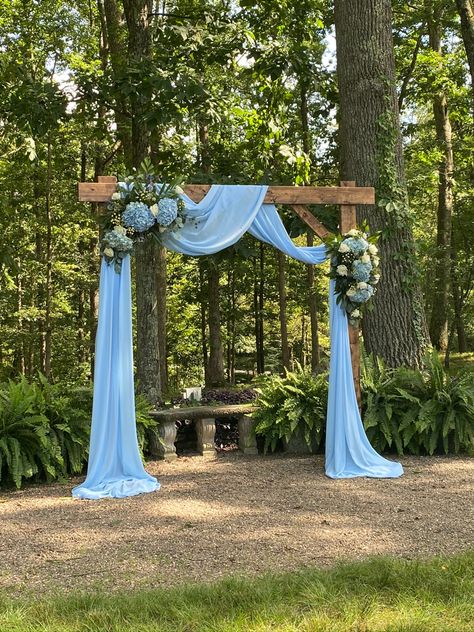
x=354, y=265
x=141, y=207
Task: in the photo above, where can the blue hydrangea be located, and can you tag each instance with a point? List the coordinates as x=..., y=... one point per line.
x=117, y=241
x=138, y=216
x=362, y=296
x=168, y=211
x=357, y=245
x=361, y=271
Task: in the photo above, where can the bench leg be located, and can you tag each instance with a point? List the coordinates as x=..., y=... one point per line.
x=205, y=430
x=247, y=438
x=162, y=441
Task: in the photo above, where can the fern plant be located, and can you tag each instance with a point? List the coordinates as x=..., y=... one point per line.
x=295, y=403
x=26, y=448
x=417, y=411
x=68, y=411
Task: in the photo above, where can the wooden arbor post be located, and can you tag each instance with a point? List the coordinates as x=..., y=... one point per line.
x=348, y=221
x=347, y=197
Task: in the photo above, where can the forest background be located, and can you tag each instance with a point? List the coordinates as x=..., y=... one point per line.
x=227, y=92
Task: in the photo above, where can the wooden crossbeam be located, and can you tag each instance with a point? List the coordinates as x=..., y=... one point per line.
x=102, y=192
x=310, y=220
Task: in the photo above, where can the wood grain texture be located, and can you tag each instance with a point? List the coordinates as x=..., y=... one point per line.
x=102, y=192
x=348, y=220
x=310, y=220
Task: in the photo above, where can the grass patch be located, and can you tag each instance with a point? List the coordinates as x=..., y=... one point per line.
x=460, y=362
x=377, y=595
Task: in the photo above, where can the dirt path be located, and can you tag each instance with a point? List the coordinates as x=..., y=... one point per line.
x=231, y=515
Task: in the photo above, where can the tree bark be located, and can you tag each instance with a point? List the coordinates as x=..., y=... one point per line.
x=466, y=13
x=313, y=309
x=202, y=302
x=285, y=351
x=216, y=349
x=137, y=14
x=258, y=315
x=371, y=154
x=49, y=267
x=161, y=280
x=442, y=264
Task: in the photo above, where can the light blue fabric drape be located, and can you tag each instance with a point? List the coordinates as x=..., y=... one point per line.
x=115, y=467
x=215, y=223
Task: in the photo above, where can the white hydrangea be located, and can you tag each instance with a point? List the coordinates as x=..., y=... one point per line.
x=342, y=270
x=362, y=285
x=373, y=249
x=116, y=196
x=365, y=258
x=344, y=248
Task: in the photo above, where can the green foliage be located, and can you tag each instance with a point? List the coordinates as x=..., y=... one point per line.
x=294, y=403
x=383, y=594
x=417, y=411
x=44, y=429
x=26, y=446
x=407, y=410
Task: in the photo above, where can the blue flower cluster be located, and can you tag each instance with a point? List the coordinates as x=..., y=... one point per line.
x=138, y=216
x=361, y=271
x=118, y=241
x=357, y=245
x=168, y=211
x=362, y=295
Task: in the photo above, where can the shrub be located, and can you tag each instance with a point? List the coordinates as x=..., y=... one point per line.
x=417, y=411
x=294, y=403
x=26, y=447
x=45, y=429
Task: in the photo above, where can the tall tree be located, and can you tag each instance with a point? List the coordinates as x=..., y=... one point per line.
x=466, y=13
x=371, y=154
x=441, y=296
x=137, y=15
x=285, y=349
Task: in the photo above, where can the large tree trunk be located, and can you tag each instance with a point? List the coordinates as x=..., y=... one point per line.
x=285, y=350
x=442, y=265
x=137, y=14
x=371, y=154
x=161, y=280
x=215, y=372
x=466, y=13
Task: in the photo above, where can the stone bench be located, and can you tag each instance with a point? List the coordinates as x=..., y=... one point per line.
x=162, y=442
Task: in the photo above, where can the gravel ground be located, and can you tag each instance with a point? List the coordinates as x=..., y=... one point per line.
x=231, y=514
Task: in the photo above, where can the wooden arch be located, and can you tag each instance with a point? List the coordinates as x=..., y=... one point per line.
x=347, y=196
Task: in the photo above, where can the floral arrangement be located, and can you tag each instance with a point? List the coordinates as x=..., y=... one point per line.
x=355, y=268
x=140, y=207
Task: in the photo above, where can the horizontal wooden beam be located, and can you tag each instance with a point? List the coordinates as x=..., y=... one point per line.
x=102, y=192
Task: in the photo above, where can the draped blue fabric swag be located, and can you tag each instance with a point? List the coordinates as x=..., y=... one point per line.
x=218, y=221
